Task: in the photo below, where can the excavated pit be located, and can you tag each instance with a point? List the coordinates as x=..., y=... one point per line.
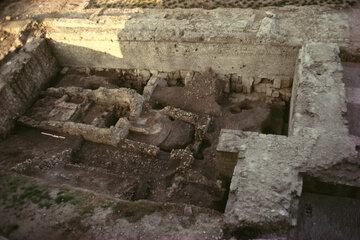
x=184, y=136
x=141, y=134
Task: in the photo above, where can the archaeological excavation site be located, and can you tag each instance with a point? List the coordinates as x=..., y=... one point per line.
x=180, y=120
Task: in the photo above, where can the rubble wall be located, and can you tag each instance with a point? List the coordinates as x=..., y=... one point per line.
x=21, y=79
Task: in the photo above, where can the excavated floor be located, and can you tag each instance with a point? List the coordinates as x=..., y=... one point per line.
x=129, y=174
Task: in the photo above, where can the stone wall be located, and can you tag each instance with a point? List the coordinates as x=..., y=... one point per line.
x=128, y=44
x=21, y=79
x=267, y=178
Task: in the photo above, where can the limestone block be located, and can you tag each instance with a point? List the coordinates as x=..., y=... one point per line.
x=154, y=72
x=257, y=80
x=184, y=73
x=227, y=88
x=260, y=88
x=248, y=84
x=236, y=84
x=188, y=77
x=145, y=75
x=275, y=94
x=269, y=30
x=277, y=83
x=153, y=83
x=269, y=92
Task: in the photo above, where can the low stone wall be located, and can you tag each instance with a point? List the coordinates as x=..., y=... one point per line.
x=21, y=79
x=111, y=97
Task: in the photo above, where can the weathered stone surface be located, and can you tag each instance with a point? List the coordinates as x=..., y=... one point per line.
x=112, y=136
x=152, y=84
x=181, y=134
x=269, y=30
x=183, y=158
x=266, y=180
x=127, y=47
x=21, y=79
x=107, y=97
x=248, y=84
x=277, y=83
x=201, y=123
x=140, y=147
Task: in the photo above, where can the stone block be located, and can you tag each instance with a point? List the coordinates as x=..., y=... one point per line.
x=145, y=75
x=188, y=77
x=260, y=88
x=248, y=82
x=269, y=92
x=236, y=84
x=275, y=94
x=277, y=83
x=257, y=80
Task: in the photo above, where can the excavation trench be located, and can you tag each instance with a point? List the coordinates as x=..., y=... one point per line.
x=139, y=134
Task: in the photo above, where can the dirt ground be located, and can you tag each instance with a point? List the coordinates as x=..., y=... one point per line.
x=9, y=43
x=131, y=175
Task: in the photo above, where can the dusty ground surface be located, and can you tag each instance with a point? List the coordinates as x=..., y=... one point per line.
x=132, y=175
x=64, y=160
x=61, y=212
x=31, y=5
x=6, y=43
x=24, y=9
x=247, y=115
